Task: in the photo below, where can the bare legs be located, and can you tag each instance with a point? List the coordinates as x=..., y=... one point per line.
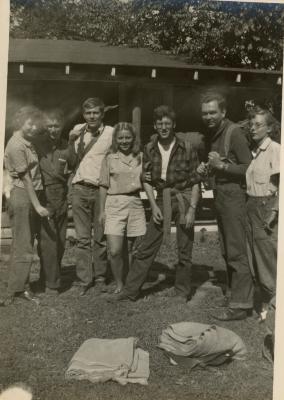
x=117, y=256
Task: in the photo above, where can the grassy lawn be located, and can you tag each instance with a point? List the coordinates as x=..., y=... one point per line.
x=38, y=342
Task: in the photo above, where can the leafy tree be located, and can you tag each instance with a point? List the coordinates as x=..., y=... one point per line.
x=200, y=31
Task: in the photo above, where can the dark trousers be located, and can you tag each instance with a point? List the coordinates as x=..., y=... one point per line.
x=148, y=249
x=230, y=203
x=85, y=208
x=263, y=244
x=53, y=235
x=25, y=224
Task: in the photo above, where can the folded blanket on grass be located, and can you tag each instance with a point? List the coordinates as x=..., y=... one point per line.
x=101, y=360
x=201, y=344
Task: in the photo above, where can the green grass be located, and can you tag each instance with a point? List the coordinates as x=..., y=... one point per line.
x=38, y=342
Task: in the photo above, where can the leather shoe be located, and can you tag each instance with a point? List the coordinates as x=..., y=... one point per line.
x=81, y=288
x=231, y=314
x=51, y=292
x=29, y=296
x=179, y=299
x=119, y=298
x=84, y=289
x=100, y=285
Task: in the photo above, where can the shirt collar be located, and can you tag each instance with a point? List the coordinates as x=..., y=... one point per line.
x=20, y=139
x=178, y=142
x=171, y=144
x=128, y=161
x=265, y=144
x=114, y=155
x=98, y=131
x=220, y=130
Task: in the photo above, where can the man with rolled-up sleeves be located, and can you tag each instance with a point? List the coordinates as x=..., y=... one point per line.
x=92, y=141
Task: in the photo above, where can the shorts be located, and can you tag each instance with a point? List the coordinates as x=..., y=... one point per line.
x=125, y=215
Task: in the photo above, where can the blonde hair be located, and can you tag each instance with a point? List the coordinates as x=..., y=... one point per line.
x=126, y=126
x=271, y=121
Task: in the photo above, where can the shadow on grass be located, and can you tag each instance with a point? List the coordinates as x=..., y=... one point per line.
x=161, y=277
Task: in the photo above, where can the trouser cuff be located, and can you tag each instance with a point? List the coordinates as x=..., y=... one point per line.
x=243, y=306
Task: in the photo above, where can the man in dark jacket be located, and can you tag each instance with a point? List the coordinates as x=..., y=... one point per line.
x=56, y=158
x=228, y=159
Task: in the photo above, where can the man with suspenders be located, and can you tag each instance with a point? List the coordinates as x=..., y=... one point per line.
x=228, y=159
x=92, y=141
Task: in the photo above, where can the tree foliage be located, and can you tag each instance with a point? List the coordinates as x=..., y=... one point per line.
x=201, y=31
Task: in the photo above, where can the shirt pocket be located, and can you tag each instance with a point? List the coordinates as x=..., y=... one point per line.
x=261, y=177
x=113, y=169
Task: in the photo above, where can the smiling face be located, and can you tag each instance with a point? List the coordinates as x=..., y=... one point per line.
x=30, y=129
x=54, y=128
x=93, y=117
x=212, y=115
x=259, y=129
x=125, y=141
x=165, y=128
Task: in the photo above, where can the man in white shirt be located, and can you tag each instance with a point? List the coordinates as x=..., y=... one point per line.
x=92, y=141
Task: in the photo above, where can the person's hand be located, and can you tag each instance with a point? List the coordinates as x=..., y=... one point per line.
x=148, y=176
x=202, y=169
x=14, y=174
x=157, y=215
x=214, y=160
x=270, y=221
x=190, y=218
x=74, y=134
x=7, y=194
x=42, y=211
x=102, y=218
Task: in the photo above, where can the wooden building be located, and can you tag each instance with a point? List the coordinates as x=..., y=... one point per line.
x=60, y=73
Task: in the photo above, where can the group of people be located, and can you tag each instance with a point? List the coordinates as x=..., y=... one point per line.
x=109, y=170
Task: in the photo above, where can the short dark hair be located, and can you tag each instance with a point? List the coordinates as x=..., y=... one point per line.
x=55, y=114
x=271, y=121
x=212, y=95
x=164, y=111
x=126, y=126
x=28, y=112
x=93, y=102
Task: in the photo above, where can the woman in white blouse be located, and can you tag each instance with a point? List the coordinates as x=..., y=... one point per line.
x=262, y=178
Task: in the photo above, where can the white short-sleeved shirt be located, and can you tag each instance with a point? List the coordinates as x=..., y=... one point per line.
x=20, y=156
x=121, y=175
x=265, y=163
x=90, y=167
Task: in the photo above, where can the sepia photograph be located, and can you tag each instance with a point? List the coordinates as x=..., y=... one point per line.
x=141, y=206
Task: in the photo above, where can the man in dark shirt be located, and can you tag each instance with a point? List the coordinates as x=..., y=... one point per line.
x=171, y=165
x=56, y=158
x=228, y=159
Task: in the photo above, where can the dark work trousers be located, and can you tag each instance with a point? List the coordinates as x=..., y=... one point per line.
x=53, y=235
x=148, y=249
x=263, y=244
x=85, y=209
x=25, y=225
x=230, y=203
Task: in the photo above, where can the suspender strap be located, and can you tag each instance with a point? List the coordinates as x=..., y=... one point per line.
x=82, y=150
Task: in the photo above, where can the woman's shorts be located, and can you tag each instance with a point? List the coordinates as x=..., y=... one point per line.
x=124, y=215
